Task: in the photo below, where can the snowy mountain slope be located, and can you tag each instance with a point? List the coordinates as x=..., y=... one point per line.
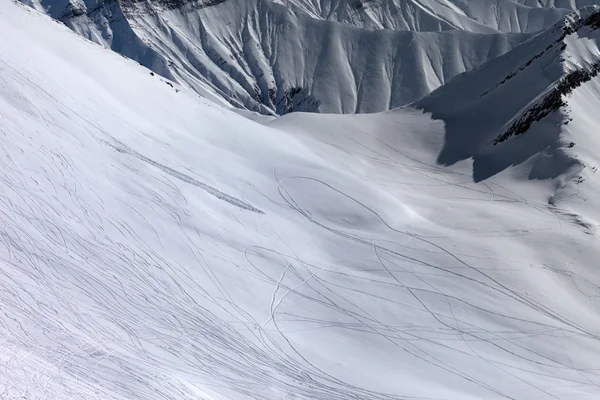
x=260, y=56
x=517, y=107
x=158, y=246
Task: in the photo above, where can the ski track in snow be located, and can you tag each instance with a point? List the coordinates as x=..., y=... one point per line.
x=157, y=311
x=121, y=148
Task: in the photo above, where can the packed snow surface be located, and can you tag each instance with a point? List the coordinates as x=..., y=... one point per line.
x=156, y=245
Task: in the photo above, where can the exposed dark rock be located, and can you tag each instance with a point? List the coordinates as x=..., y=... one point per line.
x=593, y=20
x=361, y=5
x=569, y=28
x=297, y=99
x=72, y=11
x=193, y=4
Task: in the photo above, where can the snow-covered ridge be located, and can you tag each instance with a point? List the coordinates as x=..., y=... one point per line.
x=550, y=102
x=517, y=109
x=589, y=16
x=577, y=72
x=554, y=63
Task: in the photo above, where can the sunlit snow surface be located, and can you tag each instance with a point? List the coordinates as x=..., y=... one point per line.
x=156, y=246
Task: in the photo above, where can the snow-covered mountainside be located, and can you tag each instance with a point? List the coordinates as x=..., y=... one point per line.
x=329, y=56
x=156, y=245
x=262, y=56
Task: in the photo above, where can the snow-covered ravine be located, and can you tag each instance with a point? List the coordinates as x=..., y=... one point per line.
x=156, y=245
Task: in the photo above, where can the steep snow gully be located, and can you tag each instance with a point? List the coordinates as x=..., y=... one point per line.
x=158, y=245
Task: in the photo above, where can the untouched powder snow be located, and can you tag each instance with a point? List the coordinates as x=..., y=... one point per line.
x=156, y=245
